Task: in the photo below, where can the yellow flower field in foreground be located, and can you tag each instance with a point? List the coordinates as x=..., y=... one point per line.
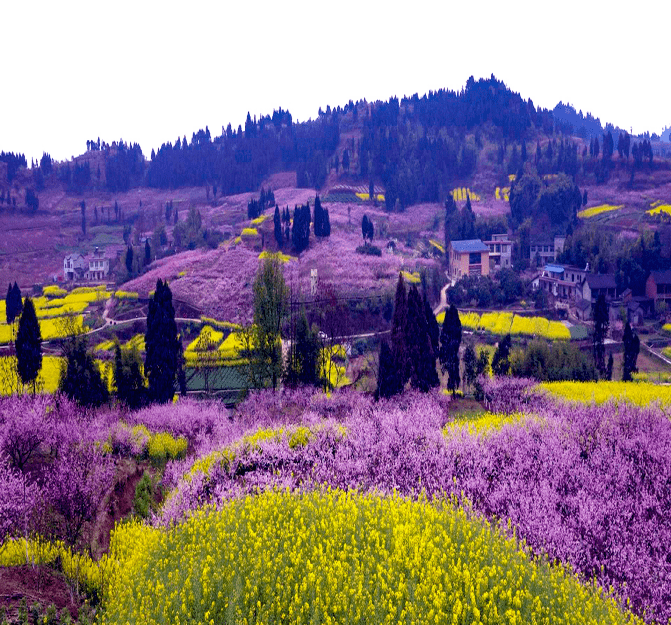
x=336, y=557
x=639, y=393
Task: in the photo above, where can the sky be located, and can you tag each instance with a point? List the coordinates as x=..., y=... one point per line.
x=148, y=72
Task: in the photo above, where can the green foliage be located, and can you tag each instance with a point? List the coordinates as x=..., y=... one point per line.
x=421, y=357
x=601, y=324
x=29, y=345
x=369, y=250
x=80, y=376
x=552, y=362
x=304, y=358
x=128, y=378
x=470, y=365
x=450, y=340
x=144, y=501
x=264, y=338
x=500, y=361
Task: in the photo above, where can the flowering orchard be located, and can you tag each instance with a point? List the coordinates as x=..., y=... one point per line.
x=541, y=510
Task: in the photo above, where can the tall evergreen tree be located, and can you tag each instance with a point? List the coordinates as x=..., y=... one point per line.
x=129, y=259
x=277, y=223
x=29, y=345
x=128, y=378
x=17, y=302
x=147, y=252
x=601, y=324
x=162, y=345
x=470, y=365
x=304, y=358
x=631, y=348
x=450, y=340
x=9, y=306
x=387, y=376
x=398, y=333
x=423, y=375
x=432, y=325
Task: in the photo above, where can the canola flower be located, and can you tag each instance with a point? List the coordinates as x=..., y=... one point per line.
x=53, y=290
x=338, y=557
x=437, y=245
x=206, y=336
x=125, y=295
x=502, y=323
x=502, y=193
x=482, y=423
x=411, y=278
x=365, y=197
x=660, y=209
x=462, y=194
x=285, y=258
x=249, y=232
x=259, y=220
x=638, y=393
x=225, y=325
x=597, y=210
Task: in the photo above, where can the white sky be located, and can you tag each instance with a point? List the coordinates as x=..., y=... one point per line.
x=149, y=72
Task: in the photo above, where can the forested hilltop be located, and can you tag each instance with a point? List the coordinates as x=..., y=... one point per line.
x=417, y=148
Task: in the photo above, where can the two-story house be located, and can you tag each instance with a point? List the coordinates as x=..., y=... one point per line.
x=98, y=266
x=658, y=286
x=74, y=266
x=562, y=281
x=500, y=252
x=468, y=258
x=595, y=284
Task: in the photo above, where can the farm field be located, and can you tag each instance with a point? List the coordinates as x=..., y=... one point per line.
x=507, y=512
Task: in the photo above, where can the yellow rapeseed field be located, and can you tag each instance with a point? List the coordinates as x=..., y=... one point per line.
x=338, y=557
x=639, y=393
x=660, y=209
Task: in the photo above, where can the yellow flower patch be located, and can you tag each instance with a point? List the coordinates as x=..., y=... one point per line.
x=638, y=393
x=249, y=232
x=597, y=210
x=660, y=209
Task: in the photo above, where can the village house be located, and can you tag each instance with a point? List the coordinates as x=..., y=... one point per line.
x=545, y=250
x=95, y=266
x=500, y=252
x=562, y=281
x=468, y=258
x=658, y=286
x=599, y=284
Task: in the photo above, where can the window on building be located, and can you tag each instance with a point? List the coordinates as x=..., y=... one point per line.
x=474, y=258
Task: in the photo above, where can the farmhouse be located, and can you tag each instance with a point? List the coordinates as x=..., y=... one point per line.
x=468, y=258
x=500, y=252
x=595, y=284
x=658, y=286
x=562, y=281
x=545, y=249
x=95, y=266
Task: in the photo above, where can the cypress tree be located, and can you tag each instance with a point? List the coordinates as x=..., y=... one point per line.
x=29, y=345
x=128, y=376
x=162, y=345
x=450, y=340
x=147, y=252
x=9, y=305
x=470, y=365
x=423, y=375
x=631, y=348
x=277, y=223
x=398, y=333
x=17, y=301
x=129, y=259
x=432, y=326
x=387, y=377
x=364, y=227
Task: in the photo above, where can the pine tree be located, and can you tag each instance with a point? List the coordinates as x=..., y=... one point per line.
x=162, y=345
x=17, y=301
x=147, y=252
x=29, y=345
x=129, y=259
x=631, y=348
x=364, y=227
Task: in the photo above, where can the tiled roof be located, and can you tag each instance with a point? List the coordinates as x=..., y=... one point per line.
x=661, y=277
x=470, y=245
x=601, y=280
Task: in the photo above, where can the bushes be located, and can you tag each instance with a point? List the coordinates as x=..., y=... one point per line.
x=369, y=250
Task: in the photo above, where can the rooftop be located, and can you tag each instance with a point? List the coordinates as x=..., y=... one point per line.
x=661, y=277
x=470, y=245
x=601, y=280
